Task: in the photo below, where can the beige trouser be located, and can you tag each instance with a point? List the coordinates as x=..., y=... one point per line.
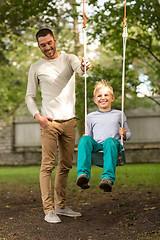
x=64, y=133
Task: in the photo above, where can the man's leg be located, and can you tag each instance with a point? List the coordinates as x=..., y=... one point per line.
x=66, y=144
x=66, y=148
x=49, y=137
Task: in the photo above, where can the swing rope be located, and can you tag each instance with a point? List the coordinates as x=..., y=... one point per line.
x=124, y=35
x=85, y=74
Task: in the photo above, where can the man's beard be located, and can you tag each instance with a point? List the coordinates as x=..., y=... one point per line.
x=48, y=55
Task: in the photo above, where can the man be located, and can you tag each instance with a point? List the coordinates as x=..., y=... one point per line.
x=54, y=73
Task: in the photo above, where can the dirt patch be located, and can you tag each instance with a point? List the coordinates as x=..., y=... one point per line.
x=118, y=215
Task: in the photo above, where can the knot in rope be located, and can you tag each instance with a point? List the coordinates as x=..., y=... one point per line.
x=124, y=21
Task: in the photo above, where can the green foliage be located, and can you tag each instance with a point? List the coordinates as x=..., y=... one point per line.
x=11, y=90
x=143, y=34
x=141, y=53
x=18, y=25
x=14, y=74
x=20, y=21
x=19, y=15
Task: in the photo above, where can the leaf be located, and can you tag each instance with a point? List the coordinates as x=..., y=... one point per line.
x=7, y=206
x=150, y=208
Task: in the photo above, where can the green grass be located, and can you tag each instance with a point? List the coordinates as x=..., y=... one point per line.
x=23, y=177
x=133, y=176
x=138, y=176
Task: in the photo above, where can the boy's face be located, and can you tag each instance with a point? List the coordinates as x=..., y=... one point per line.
x=103, y=98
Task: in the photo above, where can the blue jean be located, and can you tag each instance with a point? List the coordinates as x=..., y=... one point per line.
x=111, y=147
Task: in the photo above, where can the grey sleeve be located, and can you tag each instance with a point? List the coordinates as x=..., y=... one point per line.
x=89, y=127
x=128, y=131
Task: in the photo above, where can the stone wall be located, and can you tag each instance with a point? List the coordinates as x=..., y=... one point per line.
x=9, y=155
x=6, y=137
x=20, y=143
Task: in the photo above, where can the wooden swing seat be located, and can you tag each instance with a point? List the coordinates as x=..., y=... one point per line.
x=97, y=158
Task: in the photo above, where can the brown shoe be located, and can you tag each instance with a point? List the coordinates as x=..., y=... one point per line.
x=82, y=181
x=106, y=185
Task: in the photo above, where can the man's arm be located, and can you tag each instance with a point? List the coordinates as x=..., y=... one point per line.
x=32, y=91
x=78, y=66
x=31, y=98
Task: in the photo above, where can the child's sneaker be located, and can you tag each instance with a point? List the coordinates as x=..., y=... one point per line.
x=106, y=185
x=82, y=181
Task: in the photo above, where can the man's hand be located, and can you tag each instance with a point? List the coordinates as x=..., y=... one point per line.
x=122, y=132
x=42, y=120
x=85, y=62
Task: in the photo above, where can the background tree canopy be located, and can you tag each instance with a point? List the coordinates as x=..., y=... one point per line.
x=143, y=34
x=20, y=20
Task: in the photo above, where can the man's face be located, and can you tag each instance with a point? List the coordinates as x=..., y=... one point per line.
x=103, y=98
x=47, y=46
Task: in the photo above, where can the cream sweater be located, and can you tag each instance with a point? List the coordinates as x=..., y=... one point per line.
x=56, y=79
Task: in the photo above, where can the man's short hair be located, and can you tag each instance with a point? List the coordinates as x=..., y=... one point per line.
x=44, y=32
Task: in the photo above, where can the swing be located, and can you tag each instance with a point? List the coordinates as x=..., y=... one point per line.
x=97, y=157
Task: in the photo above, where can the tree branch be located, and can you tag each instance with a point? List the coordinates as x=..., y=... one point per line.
x=150, y=65
x=151, y=98
x=148, y=48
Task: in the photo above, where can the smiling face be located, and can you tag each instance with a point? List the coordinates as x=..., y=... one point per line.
x=103, y=98
x=47, y=45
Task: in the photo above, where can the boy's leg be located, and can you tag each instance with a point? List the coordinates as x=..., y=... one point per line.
x=111, y=148
x=86, y=146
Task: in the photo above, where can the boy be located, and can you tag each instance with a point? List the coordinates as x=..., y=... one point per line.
x=104, y=133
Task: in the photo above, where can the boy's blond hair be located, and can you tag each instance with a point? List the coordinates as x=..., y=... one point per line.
x=101, y=84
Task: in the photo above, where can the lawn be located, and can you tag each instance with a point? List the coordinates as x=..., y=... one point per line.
x=130, y=211
x=135, y=176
